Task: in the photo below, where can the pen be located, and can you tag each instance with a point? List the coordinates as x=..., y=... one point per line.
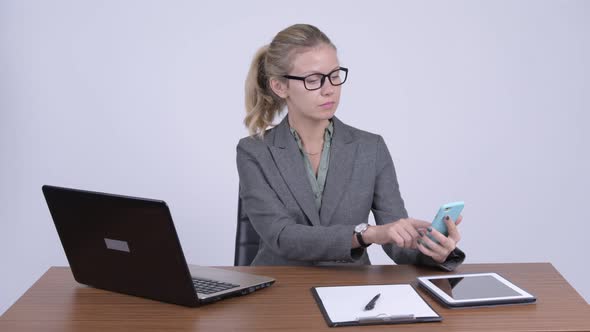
x=385, y=318
x=371, y=303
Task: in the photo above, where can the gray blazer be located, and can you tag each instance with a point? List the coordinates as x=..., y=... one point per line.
x=277, y=198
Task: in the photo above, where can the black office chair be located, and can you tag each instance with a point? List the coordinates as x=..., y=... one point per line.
x=247, y=239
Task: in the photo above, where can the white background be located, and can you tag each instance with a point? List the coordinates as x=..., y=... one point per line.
x=481, y=101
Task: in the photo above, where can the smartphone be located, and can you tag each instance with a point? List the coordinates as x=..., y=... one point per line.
x=452, y=210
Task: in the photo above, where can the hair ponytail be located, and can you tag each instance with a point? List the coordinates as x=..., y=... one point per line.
x=262, y=105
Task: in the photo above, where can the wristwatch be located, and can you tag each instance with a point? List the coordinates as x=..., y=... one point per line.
x=358, y=231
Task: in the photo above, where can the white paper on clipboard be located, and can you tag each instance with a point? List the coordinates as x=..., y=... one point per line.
x=347, y=303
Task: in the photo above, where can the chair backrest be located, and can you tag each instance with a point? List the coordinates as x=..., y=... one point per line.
x=247, y=239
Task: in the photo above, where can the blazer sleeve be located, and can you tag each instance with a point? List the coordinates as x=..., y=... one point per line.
x=276, y=228
x=388, y=206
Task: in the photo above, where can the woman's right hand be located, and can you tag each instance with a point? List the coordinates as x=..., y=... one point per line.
x=403, y=232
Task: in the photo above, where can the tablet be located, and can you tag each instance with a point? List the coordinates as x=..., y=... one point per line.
x=478, y=289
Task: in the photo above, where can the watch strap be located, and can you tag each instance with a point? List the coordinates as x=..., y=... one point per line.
x=359, y=238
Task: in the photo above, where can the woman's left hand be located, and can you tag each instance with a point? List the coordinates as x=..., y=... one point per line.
x=441, y=250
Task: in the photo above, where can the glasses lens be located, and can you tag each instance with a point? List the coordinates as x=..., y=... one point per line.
x=313, y=82
x=338, y=77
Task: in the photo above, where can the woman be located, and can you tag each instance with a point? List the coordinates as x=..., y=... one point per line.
x=308, y=184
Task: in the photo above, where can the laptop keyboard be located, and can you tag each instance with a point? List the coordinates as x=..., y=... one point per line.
x=205, y=286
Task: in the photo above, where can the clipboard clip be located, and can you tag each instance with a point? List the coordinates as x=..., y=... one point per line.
x=385, y=318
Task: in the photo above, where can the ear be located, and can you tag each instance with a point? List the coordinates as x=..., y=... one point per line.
x=278, y=87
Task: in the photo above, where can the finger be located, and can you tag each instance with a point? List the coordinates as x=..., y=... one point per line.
x=399, y=241
x=421, y=230
x=420, y=223
x=438, y=236
x=433, y=245
x=453, y=230
x=406, y=236
x=412, y=231
x=415, y=235
x=425, y=250
x=415, y=241
x=428, y=252
x=447, y=243
x=459, y=220
x=440, y=253
x=421, y=234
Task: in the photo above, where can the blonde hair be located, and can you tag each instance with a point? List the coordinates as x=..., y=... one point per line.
x=272, y=62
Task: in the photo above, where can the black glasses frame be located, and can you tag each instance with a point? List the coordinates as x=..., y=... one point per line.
x=322, y=80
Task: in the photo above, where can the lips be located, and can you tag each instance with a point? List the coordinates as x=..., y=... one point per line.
x=328, y=104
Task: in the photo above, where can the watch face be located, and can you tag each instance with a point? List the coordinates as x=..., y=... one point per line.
x=360, y=228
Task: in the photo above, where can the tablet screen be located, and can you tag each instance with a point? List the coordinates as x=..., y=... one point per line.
x=473, y=287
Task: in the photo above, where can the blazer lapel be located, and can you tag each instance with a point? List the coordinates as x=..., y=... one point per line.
x=342, y=156
x=288, y=159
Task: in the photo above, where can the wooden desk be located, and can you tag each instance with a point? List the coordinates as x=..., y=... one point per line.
x=57, y=303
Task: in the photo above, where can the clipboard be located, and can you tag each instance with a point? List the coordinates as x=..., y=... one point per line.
x=397, y=304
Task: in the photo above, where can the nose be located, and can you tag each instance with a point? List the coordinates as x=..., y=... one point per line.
x=327, y=89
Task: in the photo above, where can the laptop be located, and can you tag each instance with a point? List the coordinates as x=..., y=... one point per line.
x=129, y=245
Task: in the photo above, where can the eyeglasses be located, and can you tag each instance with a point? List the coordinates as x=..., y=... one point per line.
x=316, y=81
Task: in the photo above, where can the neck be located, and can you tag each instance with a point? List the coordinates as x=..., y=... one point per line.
x=310, y=131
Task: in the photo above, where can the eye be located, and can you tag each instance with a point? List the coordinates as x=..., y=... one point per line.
x=313, y=79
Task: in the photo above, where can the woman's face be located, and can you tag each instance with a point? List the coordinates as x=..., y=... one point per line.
x=318, y=104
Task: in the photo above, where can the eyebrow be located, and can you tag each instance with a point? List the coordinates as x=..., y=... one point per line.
x=317, y=72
